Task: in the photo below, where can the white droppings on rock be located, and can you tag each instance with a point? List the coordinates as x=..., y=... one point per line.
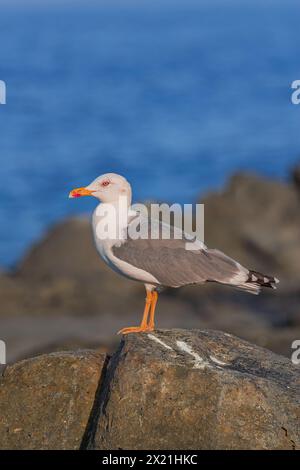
x=199, y=362
x=217, y=361
x=159, y=341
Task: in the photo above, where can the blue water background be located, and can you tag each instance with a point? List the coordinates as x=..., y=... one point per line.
x=175, y=97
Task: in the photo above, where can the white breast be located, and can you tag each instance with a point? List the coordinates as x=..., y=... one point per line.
x=104, y=248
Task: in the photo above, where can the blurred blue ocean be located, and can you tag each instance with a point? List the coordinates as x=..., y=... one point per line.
x=176, y=98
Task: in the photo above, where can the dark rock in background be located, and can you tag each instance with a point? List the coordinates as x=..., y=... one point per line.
x=70, y=275
x=257, y=221
x=296, y=176
x=63, y=295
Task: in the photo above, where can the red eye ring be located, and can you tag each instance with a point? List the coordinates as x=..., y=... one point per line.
x=105, y=183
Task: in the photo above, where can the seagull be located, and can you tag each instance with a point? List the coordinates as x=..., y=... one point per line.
x=155, y=261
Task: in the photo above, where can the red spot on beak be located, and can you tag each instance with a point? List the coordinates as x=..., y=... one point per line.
x=78, y=192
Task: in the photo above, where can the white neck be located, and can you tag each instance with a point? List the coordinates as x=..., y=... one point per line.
x=110, y=220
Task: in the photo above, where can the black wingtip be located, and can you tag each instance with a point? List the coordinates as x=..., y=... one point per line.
x=262, y=280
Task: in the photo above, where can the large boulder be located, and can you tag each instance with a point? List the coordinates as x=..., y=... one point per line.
x=196, y=389
x=171, y=389
x=46, y=402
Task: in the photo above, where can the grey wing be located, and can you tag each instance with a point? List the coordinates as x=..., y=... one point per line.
x=173, y=265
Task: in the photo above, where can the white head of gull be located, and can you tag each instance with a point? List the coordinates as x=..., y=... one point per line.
x=158, y=262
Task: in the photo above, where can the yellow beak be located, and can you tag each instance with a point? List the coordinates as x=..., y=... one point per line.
x=78, y=192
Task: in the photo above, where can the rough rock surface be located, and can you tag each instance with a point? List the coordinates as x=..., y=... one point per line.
x=196, y=389
x=172, y=389
x=45, y=402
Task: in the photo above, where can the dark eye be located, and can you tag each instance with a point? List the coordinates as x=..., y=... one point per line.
x=105, y=183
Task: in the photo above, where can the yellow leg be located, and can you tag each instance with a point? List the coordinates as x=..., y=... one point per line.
x=144, y=324
x=152, y=310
